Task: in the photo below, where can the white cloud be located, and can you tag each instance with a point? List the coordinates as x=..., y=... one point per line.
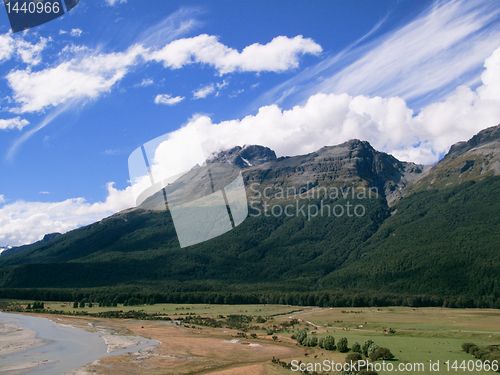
x=387, y=123
x=113, y=2
x=279, y=55
x=168, y=100
x=76, y=32
x=2, y=198
x=80, y=78
x=26, y=222
x=446, y=43
x=27, y=52
x=203, y=92
x=6, y=47
x=145, y=82
x=12, y=123
x=61, y=32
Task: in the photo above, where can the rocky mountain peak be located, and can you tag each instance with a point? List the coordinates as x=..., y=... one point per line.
x=471, y=160
x=488, y=135
x=246, y=156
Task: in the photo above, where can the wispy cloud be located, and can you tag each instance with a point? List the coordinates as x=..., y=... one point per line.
x=203, y=92
x=76, y=32
x=168, y=99
x=114, y=2
x=420, y=62
x=145, y=82
x=48, y=119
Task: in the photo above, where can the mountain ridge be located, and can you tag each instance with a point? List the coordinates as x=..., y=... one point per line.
x=413, y=239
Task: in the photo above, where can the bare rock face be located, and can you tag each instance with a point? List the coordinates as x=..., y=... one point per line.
x=473, y=160
x=353, y=163
x=246, y=156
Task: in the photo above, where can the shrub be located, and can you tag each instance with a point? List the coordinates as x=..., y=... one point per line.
x=367, y=372
x=365, y=347
x=301, y=336
x=321, y=342
x=310, y=341
x=342, y=345
x=467, y=345
x=383, y=353
x=329, y=343
x=356, y=348
x=473, y=350
x=353, y=357
x=372, y=349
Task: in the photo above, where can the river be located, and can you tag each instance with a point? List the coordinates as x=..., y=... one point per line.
x=67, y=347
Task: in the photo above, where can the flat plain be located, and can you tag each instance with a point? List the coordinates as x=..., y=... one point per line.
x=414, y=335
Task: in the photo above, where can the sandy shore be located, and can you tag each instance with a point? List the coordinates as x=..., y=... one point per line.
x=14, y=339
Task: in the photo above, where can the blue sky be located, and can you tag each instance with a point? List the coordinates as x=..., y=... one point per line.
x=80, y=93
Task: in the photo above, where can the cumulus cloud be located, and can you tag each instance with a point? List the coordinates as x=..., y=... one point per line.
x=387, y=123
x=168, y=100
x=79, y=78
x=2, y=199
x=16, y=46
x=26, y=222
x=13, y=123
x=203, y=92
x=281, y=54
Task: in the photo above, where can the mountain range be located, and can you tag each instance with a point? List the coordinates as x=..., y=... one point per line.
x=405, y=230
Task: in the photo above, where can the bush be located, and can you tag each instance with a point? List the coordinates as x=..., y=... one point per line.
x=310, y=341
x=356, y=348
x=367, y=372
x=329, y=343
x=365, y=347
x=301, y=336
x=353, y=357
x=372, y=349
x=473, y=350
x=467, y=345
x=383, y=353
x=342, y=345
x=321, y=342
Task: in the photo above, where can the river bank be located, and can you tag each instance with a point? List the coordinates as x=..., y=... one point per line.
x=37, y=345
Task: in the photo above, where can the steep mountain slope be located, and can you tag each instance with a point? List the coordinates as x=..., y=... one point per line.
x=440, y=239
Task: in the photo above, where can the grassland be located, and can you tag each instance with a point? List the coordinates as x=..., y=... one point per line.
x=420, y=335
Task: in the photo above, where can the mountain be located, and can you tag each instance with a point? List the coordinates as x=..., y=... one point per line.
x=17, y=249
x=473, y=160
x=405, y=230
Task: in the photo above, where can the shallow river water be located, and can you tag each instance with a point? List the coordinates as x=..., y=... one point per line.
x=69, y=347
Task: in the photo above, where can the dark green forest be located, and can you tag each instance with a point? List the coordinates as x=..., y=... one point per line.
x=433, y=248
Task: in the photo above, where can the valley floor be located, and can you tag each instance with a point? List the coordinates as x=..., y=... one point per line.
x=420, y=335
